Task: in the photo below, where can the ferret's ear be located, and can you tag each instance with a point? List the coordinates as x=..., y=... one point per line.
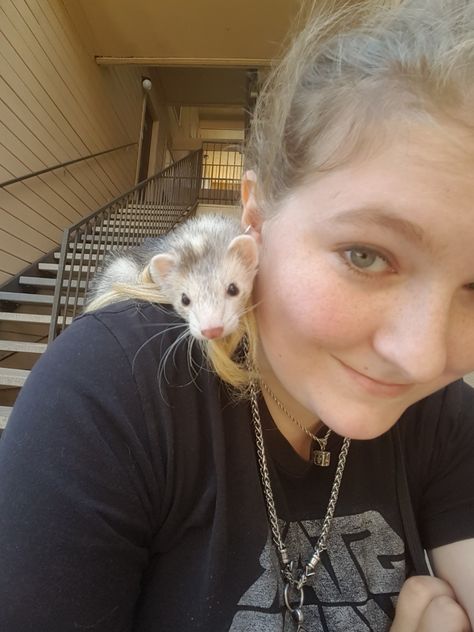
x=160, y=266
x=245, y=247
x=252, y=218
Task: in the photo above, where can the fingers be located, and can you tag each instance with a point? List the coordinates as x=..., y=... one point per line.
x=428, y=604
x=443, y=614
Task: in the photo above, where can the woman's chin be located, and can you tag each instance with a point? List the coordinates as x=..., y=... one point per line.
x=360, y=426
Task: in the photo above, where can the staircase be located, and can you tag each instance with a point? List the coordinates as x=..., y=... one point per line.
x=38, y=305
x=25, y=319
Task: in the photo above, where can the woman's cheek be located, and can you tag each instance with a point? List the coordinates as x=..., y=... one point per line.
x=330, y=312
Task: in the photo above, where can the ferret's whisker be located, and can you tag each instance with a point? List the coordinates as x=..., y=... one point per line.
x=248, y=308
x=171, y=350
x=159, y=307
x=151, y=338
x=196, y=366
x=192, y=370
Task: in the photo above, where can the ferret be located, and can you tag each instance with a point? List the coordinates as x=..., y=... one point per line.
x=204, y=268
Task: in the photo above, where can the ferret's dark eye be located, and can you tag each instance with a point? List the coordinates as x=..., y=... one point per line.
x=185, y=300
x=232, y=290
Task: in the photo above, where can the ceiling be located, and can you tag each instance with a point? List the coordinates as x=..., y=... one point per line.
x=201, y=50
x=204, y=86
x=243, y=33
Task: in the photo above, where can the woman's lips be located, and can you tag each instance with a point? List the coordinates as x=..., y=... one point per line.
x=375, y=387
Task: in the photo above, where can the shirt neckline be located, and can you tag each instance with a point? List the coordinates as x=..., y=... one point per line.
x=281, y=450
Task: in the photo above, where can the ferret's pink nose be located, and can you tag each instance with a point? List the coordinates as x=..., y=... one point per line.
x=212, y=332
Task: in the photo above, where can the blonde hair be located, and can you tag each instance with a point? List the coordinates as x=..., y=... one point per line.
x=351, y=71
x=145, y=289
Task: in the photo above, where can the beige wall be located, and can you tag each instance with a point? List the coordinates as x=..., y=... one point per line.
x=161, y=124
x=56, y=104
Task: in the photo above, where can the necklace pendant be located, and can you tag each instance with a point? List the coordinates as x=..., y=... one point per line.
x=295, y=609
x=298, y=618
x=321, y=458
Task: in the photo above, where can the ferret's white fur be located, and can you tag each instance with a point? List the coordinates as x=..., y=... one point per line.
x=202, y=258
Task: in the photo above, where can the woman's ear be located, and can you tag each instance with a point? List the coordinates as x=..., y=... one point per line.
x=252, y=219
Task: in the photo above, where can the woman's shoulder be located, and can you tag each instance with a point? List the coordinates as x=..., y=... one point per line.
x=438, y=431
x=131, y=320
x=438, y=443
x=150, y=340
x=437, y=436
x=453, y=404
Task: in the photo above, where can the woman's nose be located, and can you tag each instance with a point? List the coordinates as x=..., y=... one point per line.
x=414, y=336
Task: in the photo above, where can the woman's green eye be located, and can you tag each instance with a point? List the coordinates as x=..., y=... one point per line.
x=362, y=258
x=365, y=260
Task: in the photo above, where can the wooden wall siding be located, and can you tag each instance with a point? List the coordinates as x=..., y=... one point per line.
x=56, y=105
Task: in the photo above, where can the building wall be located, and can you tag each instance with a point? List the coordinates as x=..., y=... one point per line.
x=57, y=104
x=161, y=139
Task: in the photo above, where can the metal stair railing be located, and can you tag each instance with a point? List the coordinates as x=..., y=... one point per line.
x=62, y=165
x=150, y=209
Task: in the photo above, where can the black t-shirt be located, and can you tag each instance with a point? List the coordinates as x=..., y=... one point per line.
x=130, y=498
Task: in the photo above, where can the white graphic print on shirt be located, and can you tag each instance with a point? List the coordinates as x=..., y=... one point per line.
x=355, y=588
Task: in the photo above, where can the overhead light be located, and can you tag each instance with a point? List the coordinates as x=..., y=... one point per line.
x=147, y=84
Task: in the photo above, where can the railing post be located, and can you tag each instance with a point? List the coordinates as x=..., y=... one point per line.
x=58, y=287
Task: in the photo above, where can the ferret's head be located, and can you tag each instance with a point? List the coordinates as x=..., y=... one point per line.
x=212, y=293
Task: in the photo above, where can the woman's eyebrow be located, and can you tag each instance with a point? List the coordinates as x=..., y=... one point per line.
x=385, y=219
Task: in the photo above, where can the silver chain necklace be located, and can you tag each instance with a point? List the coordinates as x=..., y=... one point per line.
x=294, y=578
x=321, y=457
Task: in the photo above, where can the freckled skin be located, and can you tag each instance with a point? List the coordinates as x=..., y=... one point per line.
x=408, y=320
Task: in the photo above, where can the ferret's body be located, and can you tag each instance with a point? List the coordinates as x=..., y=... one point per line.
x=205, y=268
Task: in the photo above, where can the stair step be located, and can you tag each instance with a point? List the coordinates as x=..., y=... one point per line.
x=22, y=346
x=53, y=267
x=24, y=297
x=49, y=282
x=41, y=299
x=102, y=247
x=150, y=206
x=87, y=246
x=20, y=317
x=119, y=231
x=118, y=235
x=111, y=239
x=128, y=223
x=37, y=281
x=4, y=414
x=98, y=247
x=13, y=377
x=79, y=255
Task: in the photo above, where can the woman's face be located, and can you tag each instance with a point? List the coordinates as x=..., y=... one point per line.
x=366, y=284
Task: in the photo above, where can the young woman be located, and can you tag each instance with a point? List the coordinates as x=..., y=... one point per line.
x=139, y=497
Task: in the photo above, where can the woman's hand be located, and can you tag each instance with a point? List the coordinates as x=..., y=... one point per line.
x=428, y=604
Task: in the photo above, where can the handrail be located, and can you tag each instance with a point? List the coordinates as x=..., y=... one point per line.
x=151, y=208
x=125, y=195
x=61, y=165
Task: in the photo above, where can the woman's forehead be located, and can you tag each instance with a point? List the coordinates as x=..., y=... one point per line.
x=418, y=186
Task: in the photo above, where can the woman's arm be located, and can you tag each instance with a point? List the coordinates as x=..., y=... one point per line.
x=75, y=511
x=454, y=563
x=428, y=604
